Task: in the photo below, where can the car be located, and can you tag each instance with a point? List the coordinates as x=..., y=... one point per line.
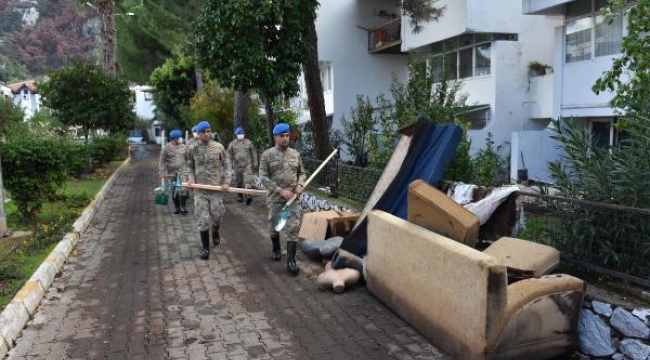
x=135, y=140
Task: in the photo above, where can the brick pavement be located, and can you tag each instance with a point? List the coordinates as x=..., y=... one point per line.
x=135, y=289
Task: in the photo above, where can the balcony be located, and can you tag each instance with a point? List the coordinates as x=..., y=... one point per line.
x=386, y=39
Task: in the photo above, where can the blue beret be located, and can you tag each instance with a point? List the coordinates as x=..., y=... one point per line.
x=175, y=134
x=193, y=128
x=239, y=130
x=202, y=126
x=281, y=128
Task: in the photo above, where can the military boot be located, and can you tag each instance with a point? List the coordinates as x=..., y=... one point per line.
x=292, y=267
x=205, y=241
x=177, y=204
x=240, y=197
x=216, y=239
x=249, y=200
x=276, y=255
x=183, y=203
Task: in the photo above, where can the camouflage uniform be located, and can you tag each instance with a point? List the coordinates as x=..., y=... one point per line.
x=205, y=164
x=282, y=170
x=170, y=162
x=190, y=144
x=244, y=160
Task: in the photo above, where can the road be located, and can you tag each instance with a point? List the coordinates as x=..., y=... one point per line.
x=135, y=288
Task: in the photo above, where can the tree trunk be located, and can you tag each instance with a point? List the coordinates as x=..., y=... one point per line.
x=4, y=231
x=316, y=100
x=270, y=122
x=241, y=109
x=109, y=37
x=198, y=75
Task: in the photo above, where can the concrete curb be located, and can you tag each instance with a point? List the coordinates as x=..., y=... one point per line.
x=16, y=314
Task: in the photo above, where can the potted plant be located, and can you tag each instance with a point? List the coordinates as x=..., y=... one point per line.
x=536, y=68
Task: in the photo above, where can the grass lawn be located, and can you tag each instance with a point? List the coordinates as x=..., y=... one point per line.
x=19, y=258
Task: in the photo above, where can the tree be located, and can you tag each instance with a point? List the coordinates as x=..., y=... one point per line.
x=314, y=86
x=253, y=46
x=420, y=11
x=174, y=86
x=84, y=95
x=160, y=30
x=629, y=77
x=357, y=132
x=422, y=95
x=215, y=104
x=10, y=116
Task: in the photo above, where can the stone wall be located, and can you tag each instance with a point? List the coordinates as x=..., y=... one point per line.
x=608, y=331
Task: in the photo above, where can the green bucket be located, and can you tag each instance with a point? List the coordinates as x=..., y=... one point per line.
x=161, y=194
x=162, y=199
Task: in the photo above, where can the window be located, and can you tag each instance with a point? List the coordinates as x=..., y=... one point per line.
x=605, y=133
x=578, y=40
x=587, y=34
x=465, y=56
x=483, y=59
x=326, y=75
x=148, y=96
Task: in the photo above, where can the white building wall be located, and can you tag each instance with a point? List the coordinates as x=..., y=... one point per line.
x=143, y=106
x=343, y=42
x=29, y=103
x=508, y=88
x=577, y=97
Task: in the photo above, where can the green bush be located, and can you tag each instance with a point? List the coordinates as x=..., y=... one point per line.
x=105, y=149
x=78, y=155
x=34, y=169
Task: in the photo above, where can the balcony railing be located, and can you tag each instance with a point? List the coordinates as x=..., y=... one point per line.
x=386, y=38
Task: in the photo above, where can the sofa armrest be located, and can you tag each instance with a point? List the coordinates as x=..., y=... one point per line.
x=541, y=318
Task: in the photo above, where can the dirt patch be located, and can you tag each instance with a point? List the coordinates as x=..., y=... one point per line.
x=14, y=239
x=609, y=289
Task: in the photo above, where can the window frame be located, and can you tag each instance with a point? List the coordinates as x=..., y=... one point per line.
x=326, y=76
x=452, y=49
x=593, y=15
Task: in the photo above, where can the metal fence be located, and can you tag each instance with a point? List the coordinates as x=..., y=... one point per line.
x=605, y=238
x=352, y=182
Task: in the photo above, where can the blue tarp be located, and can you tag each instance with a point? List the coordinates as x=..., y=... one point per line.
x=431, y=150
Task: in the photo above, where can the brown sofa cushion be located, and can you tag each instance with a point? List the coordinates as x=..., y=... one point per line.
x=524, y=257
x=432, y=209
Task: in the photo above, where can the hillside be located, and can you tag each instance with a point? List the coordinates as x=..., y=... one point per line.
x=37, y=36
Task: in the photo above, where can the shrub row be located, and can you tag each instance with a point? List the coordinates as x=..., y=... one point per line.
x=35, y=168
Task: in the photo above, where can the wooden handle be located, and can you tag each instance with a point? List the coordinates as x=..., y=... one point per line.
x=313, y=175
x=231, y=189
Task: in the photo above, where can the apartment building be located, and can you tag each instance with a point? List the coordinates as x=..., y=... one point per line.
x=521, y=65
x=584, y=47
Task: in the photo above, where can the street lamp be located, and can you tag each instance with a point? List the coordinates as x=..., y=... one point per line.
x=109, y=35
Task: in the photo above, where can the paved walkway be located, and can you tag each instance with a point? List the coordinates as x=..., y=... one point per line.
x=135, y=289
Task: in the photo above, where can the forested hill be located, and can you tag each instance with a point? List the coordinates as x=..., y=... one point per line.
x=37, y=36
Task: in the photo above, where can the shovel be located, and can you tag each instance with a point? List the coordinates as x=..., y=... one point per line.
x=286, y=211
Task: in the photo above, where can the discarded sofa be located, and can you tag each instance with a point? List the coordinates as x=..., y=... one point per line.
x=459, y=297
x=434, y=210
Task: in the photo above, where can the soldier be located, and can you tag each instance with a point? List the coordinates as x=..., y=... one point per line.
x=205, y=162
x=172, y=162
x=244, y=160
x=195, y=139
x=283, y=176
